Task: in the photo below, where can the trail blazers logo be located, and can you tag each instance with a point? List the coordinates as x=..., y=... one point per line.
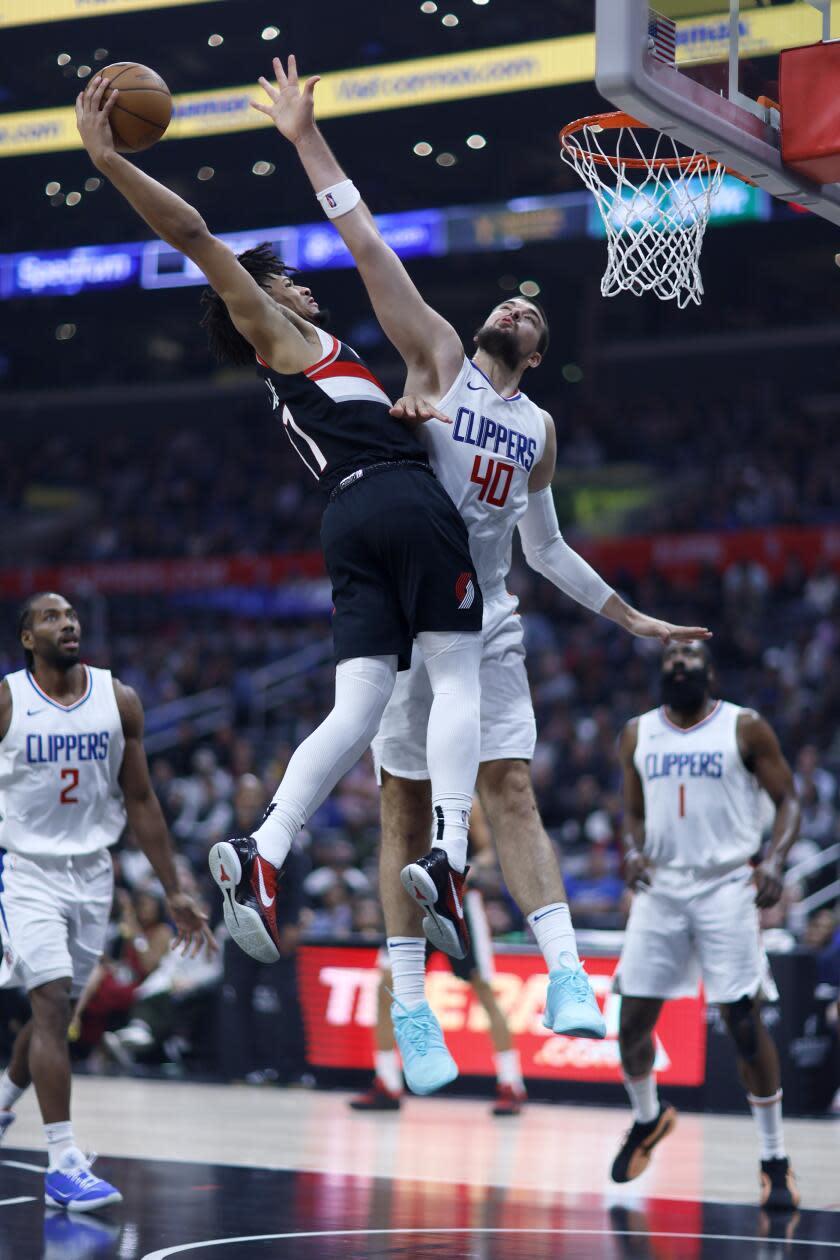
x=465, y=591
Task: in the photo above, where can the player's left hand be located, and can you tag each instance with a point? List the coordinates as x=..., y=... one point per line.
x=769, y=884
x=92, y=118
x=645, y=627
x=291, y=110
x=412, y=410
x=192, y=929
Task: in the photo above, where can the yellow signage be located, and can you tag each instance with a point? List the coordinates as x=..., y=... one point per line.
x=429, y=80
x=33, y=12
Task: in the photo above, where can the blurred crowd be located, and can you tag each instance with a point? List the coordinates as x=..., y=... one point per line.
x=747, y=459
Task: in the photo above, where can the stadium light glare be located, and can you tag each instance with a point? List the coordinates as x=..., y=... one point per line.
x=422, y=148
x=64, y=332
x=100, y=54
x=529, y=288
x=446, y=159
x=63, y=59
x=449, y=19
x=83, y=72
x=204, y=173
x=215, y=40
x=428, y=6
x=572, y=373
x=263, y=168
x=57, y=200
x=73, y=198
x=269, y=32
x=92, y=183
x=52, y=188
x=476, y=141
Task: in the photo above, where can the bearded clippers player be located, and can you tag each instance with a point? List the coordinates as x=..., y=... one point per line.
x=693, y=772
x=395, y=547
x=72, y=772
x=497, y=460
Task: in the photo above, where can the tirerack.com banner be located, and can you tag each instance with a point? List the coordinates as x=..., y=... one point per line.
x=34, y=12
x=428, y=80
x=338, y=991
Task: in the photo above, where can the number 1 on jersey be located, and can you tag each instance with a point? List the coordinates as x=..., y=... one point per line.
x=72, y=774
x=682, y=801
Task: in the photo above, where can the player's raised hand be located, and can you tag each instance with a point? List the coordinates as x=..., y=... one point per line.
x=645, y=627
x=412, y=410
x=290, y=107
x=192, y=929
x=92, y=117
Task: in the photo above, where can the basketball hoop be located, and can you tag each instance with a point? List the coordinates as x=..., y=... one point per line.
x=655, y=199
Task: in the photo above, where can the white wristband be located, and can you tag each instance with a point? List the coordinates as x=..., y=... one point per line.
x=339, y=199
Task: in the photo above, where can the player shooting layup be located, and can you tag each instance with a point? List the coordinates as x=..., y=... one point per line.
x=497, y=460
x=693, y=773
x=72, y=773
x=395, y=547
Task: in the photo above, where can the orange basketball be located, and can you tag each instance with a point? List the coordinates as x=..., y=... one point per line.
x=144, y=105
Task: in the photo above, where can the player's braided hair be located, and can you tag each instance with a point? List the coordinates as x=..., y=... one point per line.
x=226, y=342
x=24, y=622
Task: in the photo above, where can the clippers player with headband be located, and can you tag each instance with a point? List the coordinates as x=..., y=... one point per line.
x=73, y=772
x=395, y=547
x=693, y=774
x=496, y=459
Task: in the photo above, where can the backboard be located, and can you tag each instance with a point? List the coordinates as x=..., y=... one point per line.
x=695, y=69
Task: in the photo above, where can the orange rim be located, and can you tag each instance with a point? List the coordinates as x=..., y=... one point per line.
x=615, y=122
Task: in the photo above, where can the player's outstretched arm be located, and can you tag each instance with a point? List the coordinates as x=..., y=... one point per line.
x=547, y=552
x=763, y=756
x=422, y=336
x=145, y=818
x=276, y=337
x=633, y=841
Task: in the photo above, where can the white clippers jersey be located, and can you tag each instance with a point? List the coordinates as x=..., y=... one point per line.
x=59, y=770
x=702, y=805
x=483, y=460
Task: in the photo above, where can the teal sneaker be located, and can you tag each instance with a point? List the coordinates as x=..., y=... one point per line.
x=571, y=1008
x=427, y=1064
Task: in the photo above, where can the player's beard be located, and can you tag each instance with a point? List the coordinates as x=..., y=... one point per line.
x=686, y=692
x=501, y=344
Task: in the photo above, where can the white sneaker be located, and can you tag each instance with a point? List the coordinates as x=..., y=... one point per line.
x=7, y=1119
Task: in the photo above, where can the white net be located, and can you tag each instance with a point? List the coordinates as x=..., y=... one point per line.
x=655, y=206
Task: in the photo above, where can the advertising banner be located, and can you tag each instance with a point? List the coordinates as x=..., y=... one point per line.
x=34, y=12
x=338, y=992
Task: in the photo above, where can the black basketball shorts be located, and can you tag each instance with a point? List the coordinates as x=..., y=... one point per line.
x=398, y=557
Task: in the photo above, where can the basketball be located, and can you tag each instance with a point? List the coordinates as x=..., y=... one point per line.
x=144, y=105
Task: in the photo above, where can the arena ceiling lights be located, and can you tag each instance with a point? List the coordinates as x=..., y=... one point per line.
x=34, y=12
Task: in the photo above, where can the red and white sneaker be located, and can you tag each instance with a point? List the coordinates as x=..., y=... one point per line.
x=510, y=1099
x=439, y=889
x=248, y=884
x=378, y=1098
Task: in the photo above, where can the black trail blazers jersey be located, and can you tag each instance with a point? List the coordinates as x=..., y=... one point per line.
x=335, y=415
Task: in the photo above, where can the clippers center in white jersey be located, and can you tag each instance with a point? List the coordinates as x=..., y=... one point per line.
x=59, y=770
x=483, y=459
x=702, y=804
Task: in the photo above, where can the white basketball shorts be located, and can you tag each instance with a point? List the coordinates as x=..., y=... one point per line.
x=508, y=728
x=688, y=925
x=53, y=917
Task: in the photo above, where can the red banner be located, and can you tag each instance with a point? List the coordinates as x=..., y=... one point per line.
x=338, y=989
x=676, y=555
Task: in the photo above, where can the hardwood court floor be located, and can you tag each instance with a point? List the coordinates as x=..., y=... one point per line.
x=236, y=1173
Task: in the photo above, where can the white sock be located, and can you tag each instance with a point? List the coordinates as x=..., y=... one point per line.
x=60, y=1140
x=407, y=957
x=644, y=1097
x=452, y=825
x=388, y=1070
x=9, y=1092
x=453, y=735
x=552, y=926
x=508, y=1068
x=363, y=686
x=767, y=1113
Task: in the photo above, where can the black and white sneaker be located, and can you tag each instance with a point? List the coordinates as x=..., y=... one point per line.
x=439, y=889
x=638, y=1145
x=779, y=1191
x=248, y=884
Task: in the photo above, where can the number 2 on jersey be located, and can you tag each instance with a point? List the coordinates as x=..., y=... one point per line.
x=66, y=798
x=495, y=482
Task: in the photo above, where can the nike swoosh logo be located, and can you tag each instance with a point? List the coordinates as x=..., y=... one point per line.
x=455, y=898
x=267, y=901
x=471, y=386
x=32, y=712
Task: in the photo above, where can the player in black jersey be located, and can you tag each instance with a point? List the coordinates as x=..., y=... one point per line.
x=395, y=547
